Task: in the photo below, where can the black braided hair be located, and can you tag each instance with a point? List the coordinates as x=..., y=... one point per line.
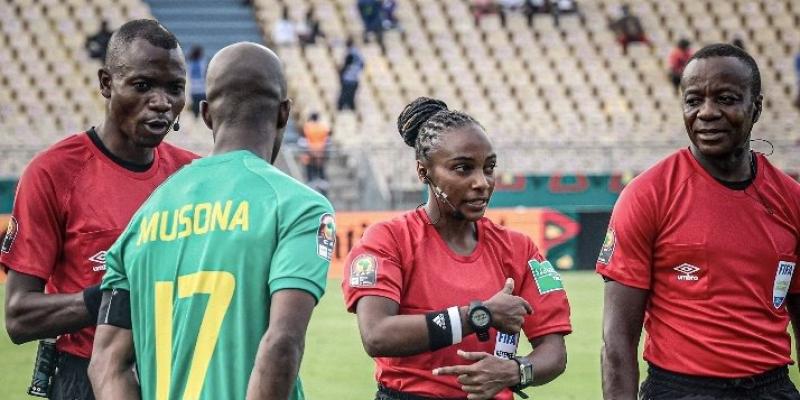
x=423, y=120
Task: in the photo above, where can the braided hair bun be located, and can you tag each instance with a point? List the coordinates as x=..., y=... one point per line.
x=414, y=116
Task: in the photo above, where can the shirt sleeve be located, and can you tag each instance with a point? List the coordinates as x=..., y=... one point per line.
x=794, y=287
x=540, y=284
x=36, y=232
x=306, y=239
x=115, y=276
x=373, y=268
x=627, y=252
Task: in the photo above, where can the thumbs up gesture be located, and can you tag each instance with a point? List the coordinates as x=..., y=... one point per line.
x=508, y=311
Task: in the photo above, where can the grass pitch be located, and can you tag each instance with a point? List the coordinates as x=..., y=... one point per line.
x=336, y=367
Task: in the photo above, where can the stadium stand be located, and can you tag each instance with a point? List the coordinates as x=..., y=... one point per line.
x=48, y=81
x=554, y=99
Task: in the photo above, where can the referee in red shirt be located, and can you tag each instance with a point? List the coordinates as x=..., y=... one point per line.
x=701, y=250
x=76, y=197
x=441, y=292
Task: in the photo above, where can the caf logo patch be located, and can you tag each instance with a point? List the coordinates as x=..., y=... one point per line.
x=326, y=236
x=364, y=271
x=608, y=247
x=11, y=234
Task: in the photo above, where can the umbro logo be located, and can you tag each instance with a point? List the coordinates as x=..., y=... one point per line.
x=100, y=261
x=687, y=272
x=439, y=320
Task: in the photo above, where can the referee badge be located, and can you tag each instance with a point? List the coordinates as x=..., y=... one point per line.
x=783, y=277
x=11, y=234
x=364, y=271
x=546, y=277
x=326, y=236
x=608, y=247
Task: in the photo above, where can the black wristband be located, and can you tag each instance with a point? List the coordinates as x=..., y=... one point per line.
x=440, y=331
x=92, y=297
x=117, y=310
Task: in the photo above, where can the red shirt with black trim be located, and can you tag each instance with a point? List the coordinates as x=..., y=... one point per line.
x=72, y=202
x=718, y=264
x=407, y=261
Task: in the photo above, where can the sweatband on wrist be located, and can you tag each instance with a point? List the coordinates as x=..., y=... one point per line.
x=440, y=331
x=455, y=324
x=92, y=297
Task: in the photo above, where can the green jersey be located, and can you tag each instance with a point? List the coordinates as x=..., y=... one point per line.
x=201, y=259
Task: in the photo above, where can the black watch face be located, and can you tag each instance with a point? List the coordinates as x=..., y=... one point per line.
x=480, y=318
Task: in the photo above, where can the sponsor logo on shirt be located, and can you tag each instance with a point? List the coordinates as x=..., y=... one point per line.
x=11, y=234
x=364, y=271
x=783, y=277
x=326, y=236
x=686, y=272
x=608, y=247
x=99, y=260
x=546, y=277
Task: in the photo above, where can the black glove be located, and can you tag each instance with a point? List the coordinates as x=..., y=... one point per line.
x=92, y=297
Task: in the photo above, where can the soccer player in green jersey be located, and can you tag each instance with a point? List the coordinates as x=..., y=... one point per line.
x=211, y=287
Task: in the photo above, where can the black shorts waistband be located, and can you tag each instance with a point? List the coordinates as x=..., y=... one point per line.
x=398, y=395
x=754, y=382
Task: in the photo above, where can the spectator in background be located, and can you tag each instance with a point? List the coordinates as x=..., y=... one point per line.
x=284, y=32
x=349, y=75
x=628, y=29
x=371, y=14
x=480, y=8
x=389, y=19
x=678, y=58
x=552, y=7
x=558, y=7
x=533, y=7
x=317, y=134
x=97, y=44
x=310, y=29
x=197, y=77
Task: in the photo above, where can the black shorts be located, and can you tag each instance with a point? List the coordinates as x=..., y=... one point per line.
x=385, y=393
x=71, y=381
x=666, y=385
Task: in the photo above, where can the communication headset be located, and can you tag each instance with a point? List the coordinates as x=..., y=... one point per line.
x=177, y=125
x=441, y=195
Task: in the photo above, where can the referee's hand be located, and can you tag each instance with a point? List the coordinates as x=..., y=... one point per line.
x=508, y=311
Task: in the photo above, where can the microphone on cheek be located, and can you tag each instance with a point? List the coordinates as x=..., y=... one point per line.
x=456, y=213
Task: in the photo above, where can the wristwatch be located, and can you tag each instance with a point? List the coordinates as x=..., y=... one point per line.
x=480, y=319
x=525, y=374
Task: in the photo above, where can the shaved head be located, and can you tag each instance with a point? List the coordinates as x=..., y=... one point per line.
x=244, y=81
x=147, y=29
x=246, y=97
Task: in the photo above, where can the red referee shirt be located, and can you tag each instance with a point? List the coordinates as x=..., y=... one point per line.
x=407, y=261
x=718, y=263
x=72, y=202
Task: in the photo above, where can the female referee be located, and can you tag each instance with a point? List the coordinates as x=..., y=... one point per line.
x=441, y=292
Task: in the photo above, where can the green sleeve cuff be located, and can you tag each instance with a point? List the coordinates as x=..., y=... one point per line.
x=297, y=283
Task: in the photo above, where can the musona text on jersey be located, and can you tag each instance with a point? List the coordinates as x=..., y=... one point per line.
x=194, y=219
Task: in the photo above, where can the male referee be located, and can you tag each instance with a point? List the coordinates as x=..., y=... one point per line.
x=211, y=287
x=74, y=199
x=702, y=249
